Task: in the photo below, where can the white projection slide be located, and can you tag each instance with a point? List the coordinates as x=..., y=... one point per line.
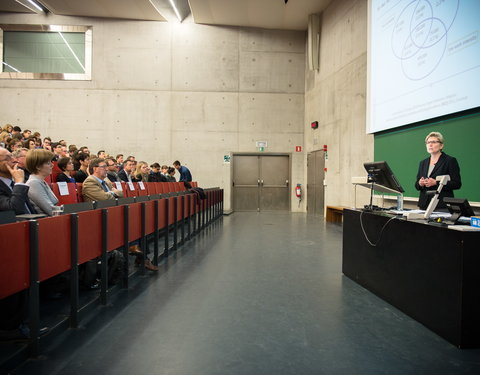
x=423, y=60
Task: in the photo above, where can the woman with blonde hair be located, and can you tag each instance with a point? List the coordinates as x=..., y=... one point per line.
x=39, y=164
x=437, y=164
x=7, y=128
x=141, y=173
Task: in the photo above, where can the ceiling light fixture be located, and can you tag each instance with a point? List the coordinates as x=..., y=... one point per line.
x=36, y=5
x=172, y=2
x=33, y=6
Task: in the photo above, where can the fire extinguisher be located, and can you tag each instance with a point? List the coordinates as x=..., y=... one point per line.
x=298, y=193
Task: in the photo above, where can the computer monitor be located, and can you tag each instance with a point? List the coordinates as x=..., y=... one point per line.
x=380, y=173
x=458, y=207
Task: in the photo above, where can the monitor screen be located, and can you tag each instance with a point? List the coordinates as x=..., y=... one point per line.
x=380, y=173
x=458, y=207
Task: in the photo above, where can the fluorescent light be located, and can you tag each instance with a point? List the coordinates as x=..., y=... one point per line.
x=172, y=3
x=36, y=5
x=71, y=50
x=11, y=67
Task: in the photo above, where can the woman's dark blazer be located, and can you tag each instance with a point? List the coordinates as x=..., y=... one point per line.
x=445, y=165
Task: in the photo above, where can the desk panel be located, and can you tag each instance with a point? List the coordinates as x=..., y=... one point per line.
x=429, y=272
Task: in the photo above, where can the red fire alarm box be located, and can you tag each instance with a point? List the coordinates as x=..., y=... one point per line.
x=314, y=125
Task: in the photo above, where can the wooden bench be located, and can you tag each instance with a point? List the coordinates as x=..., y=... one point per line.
x=334, y=214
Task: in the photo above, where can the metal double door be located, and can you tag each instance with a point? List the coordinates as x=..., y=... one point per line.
x=261, y=182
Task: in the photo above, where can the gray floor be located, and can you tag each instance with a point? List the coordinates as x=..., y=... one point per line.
x=258, y=294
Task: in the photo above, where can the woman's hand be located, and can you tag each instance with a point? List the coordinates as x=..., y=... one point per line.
x=430, y=182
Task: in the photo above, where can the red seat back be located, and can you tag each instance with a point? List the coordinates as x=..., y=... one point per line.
x=54, y=243
x=140, y=192
x=130, y=190
x=71, y=197
x=115, y=228
x=14, y=258
x=55, y=171
x=89, y=235
x=79, y=187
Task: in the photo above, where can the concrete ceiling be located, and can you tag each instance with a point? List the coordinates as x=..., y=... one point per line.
x=269, y=14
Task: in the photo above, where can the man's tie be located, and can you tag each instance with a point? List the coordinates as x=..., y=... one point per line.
x=104, y=185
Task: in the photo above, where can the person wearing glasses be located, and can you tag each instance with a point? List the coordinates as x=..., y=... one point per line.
x=13, y=190
x=39, y=164
x=437, y=164
x=97, y=187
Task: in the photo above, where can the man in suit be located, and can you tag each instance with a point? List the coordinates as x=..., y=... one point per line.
x=13, y=190
x=14, y=308
x=112, y=170
x=128, y=168
x=20, y=155
x=96, y=187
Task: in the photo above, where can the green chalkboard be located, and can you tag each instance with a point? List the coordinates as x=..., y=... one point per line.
x=403, y=149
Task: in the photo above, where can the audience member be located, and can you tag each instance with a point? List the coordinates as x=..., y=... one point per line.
x=66, y=166
x=185, y=174
x=14, y=144
x=171, y=175
x=39, y=164
x=8, y=128
x=155, y=175
x=101, y=154
x=59, y=150
x=96, y=187
x=141, y=172
x=29, y=143
x=17, y=130
x=47, y=143
x=112, y=170
x=72, y=150
x=4, y=139
x=82, y=172
x=13, y=190
x=20, y=156
x=26, y=134
x=126, y=173
x=84, y=150
x=119, y=161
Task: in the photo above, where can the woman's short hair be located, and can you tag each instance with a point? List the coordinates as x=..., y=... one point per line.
x=437, y=135
x=63, y=162
x=36, y=158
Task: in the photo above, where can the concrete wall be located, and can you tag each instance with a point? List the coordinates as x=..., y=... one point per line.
x=336, y=97
x=173, y=91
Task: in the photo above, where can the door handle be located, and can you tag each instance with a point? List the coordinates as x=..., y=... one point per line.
x=261, y=182
x=258, y=182
x=286, y=182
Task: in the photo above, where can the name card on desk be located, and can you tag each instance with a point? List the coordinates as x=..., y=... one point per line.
x=118, y=185
x=142, y=186
x=130, y=185
x=62, y=188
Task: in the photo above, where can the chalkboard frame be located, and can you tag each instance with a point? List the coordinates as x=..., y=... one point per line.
x=404, y=148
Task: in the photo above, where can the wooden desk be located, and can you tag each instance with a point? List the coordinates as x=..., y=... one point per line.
x=334, y=214
x=429, y=272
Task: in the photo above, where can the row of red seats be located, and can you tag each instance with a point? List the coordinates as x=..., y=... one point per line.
x=136, y=189
x=54, y=234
